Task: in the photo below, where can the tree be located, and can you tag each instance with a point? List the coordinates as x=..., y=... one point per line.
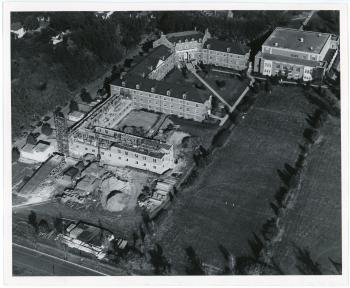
x=268, y=86
x=73, y=106
x=43, y=226
x=158, y=260
x=15, y=154
x=46, y=129
x=30, y=23
x=58, y=224
x=32, y=220
x=85, y=96
x=194, y=264
x=31, y=139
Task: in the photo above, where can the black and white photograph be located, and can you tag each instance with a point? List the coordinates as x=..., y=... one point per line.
x=147, y=142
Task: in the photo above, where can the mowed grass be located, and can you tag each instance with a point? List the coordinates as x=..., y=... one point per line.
x=233, y=87
x=140, y=118
x=315, y=222
x=243, y=173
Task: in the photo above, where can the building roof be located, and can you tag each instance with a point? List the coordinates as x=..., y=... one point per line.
x=303, y=41
x=77, y=114
x=295, y=61
x=234, y=47
x=147, y=64
x=41, y=146
x=161, y=88
x=184, y=35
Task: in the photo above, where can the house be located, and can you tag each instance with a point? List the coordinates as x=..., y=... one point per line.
x=297, y=54
x=38, y=152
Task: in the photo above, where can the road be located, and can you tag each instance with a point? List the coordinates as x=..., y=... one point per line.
x=44, y=264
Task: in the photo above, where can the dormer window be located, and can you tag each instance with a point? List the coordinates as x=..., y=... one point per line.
x=228, y=50
x=168, y=92
x=152, y=89
x=137, y=86
x=123, y=83
x=186, y=40
x=208, y=46
x=184, y=96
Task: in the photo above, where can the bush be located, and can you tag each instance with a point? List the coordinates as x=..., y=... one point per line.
x=85, y=96
x=15, y=154
x=220, y=83
x=31, y=139
x=46, y=129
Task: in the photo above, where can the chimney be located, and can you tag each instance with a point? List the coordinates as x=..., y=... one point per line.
x=276, y=44
x=311, y=48
x=301, y=39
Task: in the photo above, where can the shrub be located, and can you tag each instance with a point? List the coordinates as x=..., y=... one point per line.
x=15, y=154
x=46, y=129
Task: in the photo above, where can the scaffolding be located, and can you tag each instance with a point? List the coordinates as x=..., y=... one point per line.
x=61, y=133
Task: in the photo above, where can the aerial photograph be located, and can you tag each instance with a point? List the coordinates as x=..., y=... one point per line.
x=197, y=142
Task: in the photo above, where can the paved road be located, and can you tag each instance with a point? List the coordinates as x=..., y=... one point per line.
x=44, y=264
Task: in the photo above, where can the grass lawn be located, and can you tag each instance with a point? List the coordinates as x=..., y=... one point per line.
x=315, y=221
x=140, y=118
x=20, y=170
x=233, y=87
x=243, y=173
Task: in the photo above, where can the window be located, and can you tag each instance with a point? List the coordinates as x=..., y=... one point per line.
x=154, y=160
x=154, y=167
x=137, y=156
x=144, y=157
x=126, y=153
x=136, y=162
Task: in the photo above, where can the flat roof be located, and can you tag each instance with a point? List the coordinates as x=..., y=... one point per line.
x=296, y=61
x=161, y=88
x=219, y=45
x=289, y=38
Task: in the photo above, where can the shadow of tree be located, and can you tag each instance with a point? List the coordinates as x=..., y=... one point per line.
x=194, y=264
x=305, y=263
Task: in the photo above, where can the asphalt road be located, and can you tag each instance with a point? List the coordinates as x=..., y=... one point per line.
x=44, y=264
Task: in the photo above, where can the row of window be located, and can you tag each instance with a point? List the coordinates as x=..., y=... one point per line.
x=141, y=95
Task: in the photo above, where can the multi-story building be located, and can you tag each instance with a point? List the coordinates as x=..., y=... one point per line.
x=159, y=96
x=225, y=54
x=194, y=46
x=297, y=54
x=95, y=135
x=158, y=63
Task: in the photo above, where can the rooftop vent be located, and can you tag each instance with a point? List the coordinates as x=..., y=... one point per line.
x=143, y=74
x=301, y=39
x=319, y=34
x=311, y=48
x=275, y=44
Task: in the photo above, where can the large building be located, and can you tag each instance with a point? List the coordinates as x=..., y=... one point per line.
x=195, y=46
x=297, y=54
x=95, y=135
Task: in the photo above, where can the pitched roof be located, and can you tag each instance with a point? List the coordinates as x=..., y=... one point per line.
x=291, y=39
x=184, y=35
x=219, y=45
x=145, y=63
x=161, y=88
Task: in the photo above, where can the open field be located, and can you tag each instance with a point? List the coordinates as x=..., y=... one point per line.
x=315, y=222
x=139, y=118
x=243, y=173
x=232, y=88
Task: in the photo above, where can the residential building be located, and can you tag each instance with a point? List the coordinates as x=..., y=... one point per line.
x=297, y=54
